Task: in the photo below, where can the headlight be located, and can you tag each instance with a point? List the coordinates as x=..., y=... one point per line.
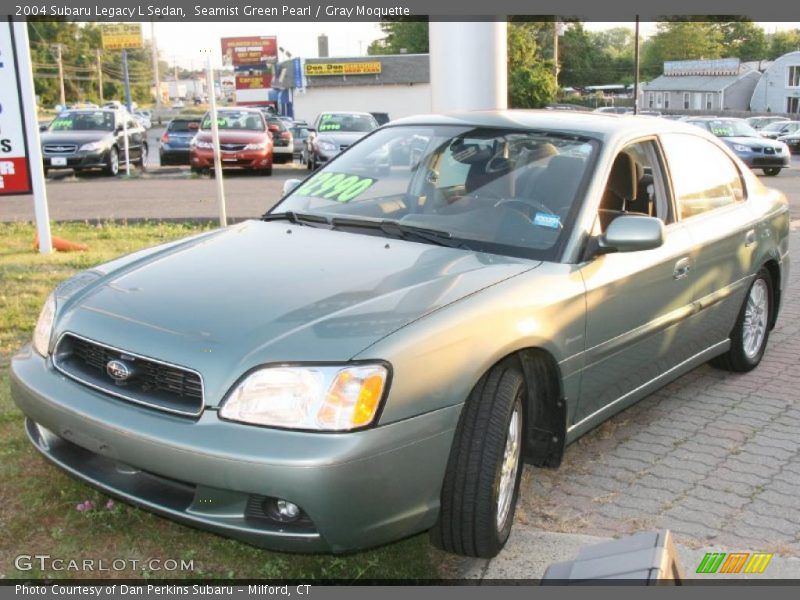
x=326, y=398
x=206, y=145
x=262, y=146
x=93, y=146
x=44, y=326
x=740, y=148
x=327, y=146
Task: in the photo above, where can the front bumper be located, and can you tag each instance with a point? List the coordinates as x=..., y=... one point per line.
x=758, y=160
x=357, y=489
x=244, y=159
x=78, y=160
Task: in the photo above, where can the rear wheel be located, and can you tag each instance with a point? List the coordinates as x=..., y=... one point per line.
x=772, y=171
x=481, y=484
x=751, y=332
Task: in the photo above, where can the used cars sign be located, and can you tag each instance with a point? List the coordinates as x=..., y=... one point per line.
x=14, y=172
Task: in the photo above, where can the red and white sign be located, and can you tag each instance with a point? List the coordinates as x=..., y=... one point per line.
x=249, y=51
x=14, y=172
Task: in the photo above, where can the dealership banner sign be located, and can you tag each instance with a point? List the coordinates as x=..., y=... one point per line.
x=249, y=51
x=121, y=36
x=14, y=169
x=253, y=82
x=354, y=68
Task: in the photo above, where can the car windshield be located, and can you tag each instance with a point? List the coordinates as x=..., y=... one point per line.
x=728, y=128
x=96, y=120
x=503, y=191
x=347, y=122
x=774, y=126
x=236, y=119
x=299, y=132
x=183, y=125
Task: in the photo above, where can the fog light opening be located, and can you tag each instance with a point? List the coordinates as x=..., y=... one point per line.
x=283, y=510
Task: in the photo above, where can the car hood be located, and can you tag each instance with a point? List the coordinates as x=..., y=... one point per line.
x=235, y=137
x=266, y=292
x=341, y=138
x=75, y=137
x=753, y=142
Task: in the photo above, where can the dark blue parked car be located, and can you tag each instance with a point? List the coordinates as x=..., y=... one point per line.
x=755, y=151
x=174, y=148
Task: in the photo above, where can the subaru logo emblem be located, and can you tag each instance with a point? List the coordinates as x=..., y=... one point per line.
x=118, y=370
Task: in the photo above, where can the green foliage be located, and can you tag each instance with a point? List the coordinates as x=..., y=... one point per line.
x=402, y=36
x=783, y=42
x=79, y=43
x=741, y=38
x=531, y=79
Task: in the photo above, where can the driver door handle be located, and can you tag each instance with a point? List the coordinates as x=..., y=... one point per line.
x=682, y=268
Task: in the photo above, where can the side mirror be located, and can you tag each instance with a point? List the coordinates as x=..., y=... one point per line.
x=630, y=233
x=290, y=184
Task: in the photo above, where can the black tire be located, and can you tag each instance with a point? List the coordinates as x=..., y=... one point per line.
x=112, y=162
x=468, y=518
x=737, y=358
x=142, y=162
x=771, y=171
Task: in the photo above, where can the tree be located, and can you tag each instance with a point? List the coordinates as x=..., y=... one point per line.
x=402, y=36
x=783, y=42
x=680, y=40
x=531, y=81
x=79, y=44
x=741, y=38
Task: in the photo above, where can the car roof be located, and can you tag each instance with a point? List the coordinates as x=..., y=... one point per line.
x=589, y=124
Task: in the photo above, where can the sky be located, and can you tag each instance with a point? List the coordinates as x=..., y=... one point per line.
x=184, y=43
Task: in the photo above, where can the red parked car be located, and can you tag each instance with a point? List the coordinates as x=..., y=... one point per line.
x=244, y=139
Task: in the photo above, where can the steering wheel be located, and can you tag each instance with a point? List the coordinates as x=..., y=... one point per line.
x=525, y=208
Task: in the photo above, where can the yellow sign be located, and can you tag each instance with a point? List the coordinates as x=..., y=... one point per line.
x=354, y=68
x=117, y=36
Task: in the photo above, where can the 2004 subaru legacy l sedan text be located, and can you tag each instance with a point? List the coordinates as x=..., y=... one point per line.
x=380, y=354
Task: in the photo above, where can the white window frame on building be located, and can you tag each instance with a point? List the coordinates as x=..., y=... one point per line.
x=687, y=100
x=650, y=99
x=793, y=76
x=659, y=100
x=793, y=104
x=709, y=104
x=666, y=100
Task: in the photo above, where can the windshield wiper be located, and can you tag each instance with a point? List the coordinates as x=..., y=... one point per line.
x=297, y=218
x=403, y=231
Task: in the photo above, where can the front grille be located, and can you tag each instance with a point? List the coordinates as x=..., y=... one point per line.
x=150, y=382
x=232, y=147
x=60, y=148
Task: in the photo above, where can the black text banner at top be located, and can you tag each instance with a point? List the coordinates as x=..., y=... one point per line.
x=375, y=10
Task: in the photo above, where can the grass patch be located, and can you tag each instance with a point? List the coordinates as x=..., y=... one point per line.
x=38, y=503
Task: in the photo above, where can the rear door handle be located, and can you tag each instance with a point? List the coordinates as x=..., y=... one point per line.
x=750, y=238
x=682, y=268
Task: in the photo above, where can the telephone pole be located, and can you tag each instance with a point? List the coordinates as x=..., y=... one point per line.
x=60, y=74
x=156, y=76
x=555, y=50
x=99, y=75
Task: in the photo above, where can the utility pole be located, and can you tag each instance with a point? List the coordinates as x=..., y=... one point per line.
x=636, y=69
x=156, y=76
x=99, y=75
x=555, y=50
x=223, y=217
x=60, y=74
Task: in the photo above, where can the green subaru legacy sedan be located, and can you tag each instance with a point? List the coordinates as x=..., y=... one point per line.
x=381, y=353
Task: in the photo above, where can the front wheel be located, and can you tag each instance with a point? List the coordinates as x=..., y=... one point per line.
x=481, y=484
x=112, y=163
x=771, y=171
x=751, y=332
